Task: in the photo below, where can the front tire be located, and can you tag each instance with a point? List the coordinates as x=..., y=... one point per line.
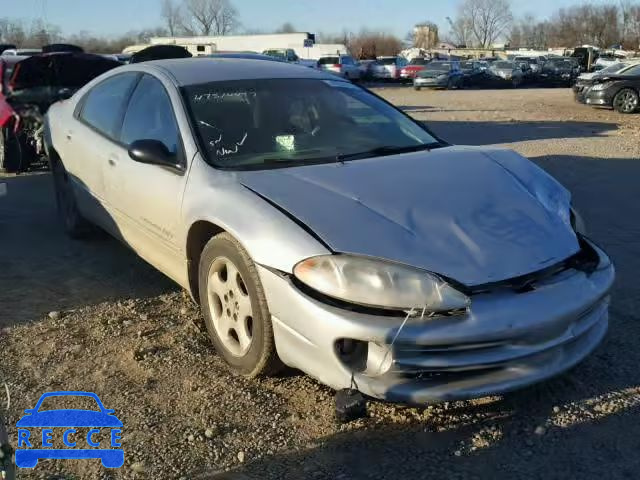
x=417, y=89
x=626, y=101
x=235, y=308
x=75, y=225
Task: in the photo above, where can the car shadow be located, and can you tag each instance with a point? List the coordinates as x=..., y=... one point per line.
x=492, y=447
x=42, y=270
x=490, y=133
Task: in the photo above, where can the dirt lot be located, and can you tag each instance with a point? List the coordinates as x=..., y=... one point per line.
x=122, y=330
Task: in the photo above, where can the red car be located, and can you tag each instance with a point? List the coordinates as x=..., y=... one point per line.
x=409, y=72
x=28, y=86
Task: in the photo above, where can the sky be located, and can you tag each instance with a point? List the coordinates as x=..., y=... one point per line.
x=112, y=17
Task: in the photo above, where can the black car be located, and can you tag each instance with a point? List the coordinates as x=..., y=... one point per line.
x=620, y=91
x=560, y=71
x=585, y=81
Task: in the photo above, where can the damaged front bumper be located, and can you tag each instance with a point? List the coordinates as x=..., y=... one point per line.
x=506, y=340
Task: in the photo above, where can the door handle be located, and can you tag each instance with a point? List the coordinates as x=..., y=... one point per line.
x=69, y=135
x=113, y=161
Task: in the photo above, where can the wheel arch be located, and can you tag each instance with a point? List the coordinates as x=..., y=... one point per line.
x=198, y=236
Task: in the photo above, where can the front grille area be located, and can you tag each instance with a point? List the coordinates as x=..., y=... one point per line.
x=474, y=358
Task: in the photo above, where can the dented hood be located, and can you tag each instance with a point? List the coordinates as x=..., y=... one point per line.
x=476, y=216
x=65, y=70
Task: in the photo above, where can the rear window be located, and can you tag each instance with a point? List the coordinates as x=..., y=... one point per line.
x=387, y=61
x=329, y=61
x=503, y=65
x=419, y=61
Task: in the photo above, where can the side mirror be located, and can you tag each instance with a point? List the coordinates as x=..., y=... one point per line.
x=153, y=152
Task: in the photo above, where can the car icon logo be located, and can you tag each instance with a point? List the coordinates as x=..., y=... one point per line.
x=32, y=448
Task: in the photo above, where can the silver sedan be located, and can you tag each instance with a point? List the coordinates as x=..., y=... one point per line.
x=321, y=228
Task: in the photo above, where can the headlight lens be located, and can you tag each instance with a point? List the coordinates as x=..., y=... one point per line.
x=378, y=283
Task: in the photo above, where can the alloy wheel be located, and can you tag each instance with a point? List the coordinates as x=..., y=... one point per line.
x=230, y=306
x=626, y=101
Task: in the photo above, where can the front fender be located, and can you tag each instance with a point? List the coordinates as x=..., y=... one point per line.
x=271, y=238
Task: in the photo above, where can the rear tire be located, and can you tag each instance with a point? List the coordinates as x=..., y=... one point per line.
x=417, y=89
x=626, y=101
x=235, y=308
x=75, y=225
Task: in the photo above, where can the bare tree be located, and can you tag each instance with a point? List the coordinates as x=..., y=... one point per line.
x=172, y=16
x=488, y=20
x=286, y=27
x=460, y=30
x=209, y=17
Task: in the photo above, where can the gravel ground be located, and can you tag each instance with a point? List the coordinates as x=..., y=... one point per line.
x=92, y=316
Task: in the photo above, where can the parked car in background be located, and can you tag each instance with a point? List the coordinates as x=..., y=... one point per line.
x=503, y=72
x=160, y=52
x=288, y=55
x=586, y=80
x=618, y=90
x=532, y=65
x=416, y=64
x=342, y=65
x=322, y=228
x=30, y=85
x=473, y=72
x=6, y=46
x=388, y=68
x=560, y=70
x=366, y=68
x=21, y=52
x=439, y=74
x=245, y=56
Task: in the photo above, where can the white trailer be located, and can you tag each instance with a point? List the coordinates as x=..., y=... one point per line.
x=299, y=42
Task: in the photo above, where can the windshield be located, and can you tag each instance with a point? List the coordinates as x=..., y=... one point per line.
x=503, y=65
x=268, y=123
x=526, y=60
x=614, y=68
x=419, y=61
x=387, y=61
x=441, y=66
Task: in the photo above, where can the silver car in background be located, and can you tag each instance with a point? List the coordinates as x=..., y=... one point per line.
x=342, y=65
x=388, y=68
x=320, y=227
x=507, y=72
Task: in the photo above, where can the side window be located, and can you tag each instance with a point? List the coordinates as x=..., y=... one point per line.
x=104, y=104
x=150, y=116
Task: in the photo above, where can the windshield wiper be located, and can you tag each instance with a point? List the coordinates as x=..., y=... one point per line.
x=386, y=150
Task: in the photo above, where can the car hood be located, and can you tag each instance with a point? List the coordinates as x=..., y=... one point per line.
x=472, y=215
x=68, y=70
x=69, y=418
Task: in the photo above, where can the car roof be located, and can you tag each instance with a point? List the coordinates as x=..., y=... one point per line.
x=192, y=71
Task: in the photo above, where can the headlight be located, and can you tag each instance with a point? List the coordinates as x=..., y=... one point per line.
x=599, y=86
x=577, y=222
x=378, y=283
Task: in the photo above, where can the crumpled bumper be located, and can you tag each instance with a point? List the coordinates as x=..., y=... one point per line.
x=505, y=341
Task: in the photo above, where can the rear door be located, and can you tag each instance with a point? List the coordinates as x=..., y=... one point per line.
x=147, y=198
x=89, y=139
